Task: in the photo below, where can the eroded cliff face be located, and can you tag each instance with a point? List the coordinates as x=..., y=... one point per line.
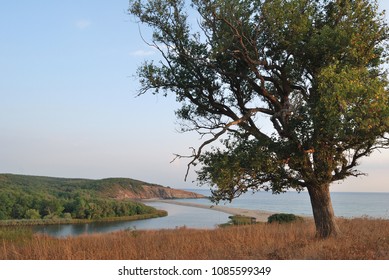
x=149, y=192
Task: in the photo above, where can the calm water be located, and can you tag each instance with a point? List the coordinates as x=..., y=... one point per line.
x=179, y=216
x=345, y=205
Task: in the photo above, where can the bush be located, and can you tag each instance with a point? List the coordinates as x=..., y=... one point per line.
x=67, y=215
x=237, y=220
x=283, y=218
x=32, y=214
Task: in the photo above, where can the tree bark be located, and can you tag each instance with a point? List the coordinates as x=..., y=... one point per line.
x=323, y=213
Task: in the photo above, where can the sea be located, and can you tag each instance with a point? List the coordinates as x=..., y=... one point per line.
x=346, y=204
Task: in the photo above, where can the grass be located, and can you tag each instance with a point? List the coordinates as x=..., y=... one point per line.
x=361, y=239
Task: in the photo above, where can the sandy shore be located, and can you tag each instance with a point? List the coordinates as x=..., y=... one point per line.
x=261, y=216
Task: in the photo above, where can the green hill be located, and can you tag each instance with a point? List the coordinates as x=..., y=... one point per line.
x=38, y=197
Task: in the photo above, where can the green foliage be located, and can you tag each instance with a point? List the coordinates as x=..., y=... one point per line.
x=283, y=218
x=32, y=214
x=31, y=197
x=242, y=220
x=18, y=234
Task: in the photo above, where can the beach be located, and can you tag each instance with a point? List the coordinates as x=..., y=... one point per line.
x=259, y=215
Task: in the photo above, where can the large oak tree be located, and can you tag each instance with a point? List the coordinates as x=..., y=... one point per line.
x=295, y=89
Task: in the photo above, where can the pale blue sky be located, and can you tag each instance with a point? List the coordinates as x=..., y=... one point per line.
x=68, y=105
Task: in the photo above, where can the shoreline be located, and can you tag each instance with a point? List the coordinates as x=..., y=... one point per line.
x=259, y=215
x=64, y=221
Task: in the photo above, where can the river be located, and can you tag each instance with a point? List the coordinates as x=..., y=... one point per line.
x=179, y=216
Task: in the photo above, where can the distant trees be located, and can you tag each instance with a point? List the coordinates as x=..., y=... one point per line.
x=32, y=214
x=34, y=197
x=20, y=204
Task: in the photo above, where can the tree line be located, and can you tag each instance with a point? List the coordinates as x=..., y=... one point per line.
x=20, y=205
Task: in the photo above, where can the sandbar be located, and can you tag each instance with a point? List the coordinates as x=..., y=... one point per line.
x=259, y=215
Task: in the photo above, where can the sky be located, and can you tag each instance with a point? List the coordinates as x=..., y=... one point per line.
x=68, y=99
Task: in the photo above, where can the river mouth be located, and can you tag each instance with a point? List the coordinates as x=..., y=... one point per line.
x=178, y=216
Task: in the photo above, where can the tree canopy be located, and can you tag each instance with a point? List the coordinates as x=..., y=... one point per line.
x=34, y=197
x=295, y=90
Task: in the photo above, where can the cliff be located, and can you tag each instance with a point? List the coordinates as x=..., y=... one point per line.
x=148, y=192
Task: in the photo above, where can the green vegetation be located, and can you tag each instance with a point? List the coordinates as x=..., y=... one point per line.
x=58, y=220
x=58, y=200
x=242, y=220
x=15, y=234
x=238, y=220
x=283, y=218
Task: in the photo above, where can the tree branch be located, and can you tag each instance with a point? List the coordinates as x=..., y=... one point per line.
x=196, y=154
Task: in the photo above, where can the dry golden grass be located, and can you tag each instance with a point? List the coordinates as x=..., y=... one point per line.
x=360, y=239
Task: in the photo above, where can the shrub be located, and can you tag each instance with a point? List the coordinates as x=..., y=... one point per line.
x=283, y=218
x=241, y=220
x=32, y=214
x=67, y=215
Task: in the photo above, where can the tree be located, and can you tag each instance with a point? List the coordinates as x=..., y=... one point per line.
x=295, y=90
x=32, y=214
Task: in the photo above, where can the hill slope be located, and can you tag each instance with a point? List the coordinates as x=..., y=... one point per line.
x=36, y=197
x=118, y=188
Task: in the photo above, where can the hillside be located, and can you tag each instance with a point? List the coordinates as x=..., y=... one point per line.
x=36, y=197
x=118, y=188
x=121, y=188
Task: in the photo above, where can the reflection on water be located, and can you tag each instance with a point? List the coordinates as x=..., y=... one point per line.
x=179, y=216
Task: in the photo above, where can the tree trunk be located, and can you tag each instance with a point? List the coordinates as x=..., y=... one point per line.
x=323, y=213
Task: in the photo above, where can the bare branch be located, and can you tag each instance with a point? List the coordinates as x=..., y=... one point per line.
x=196, y=154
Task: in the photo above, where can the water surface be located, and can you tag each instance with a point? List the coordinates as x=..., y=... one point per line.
x=178, y=216
x=346, y=204
x=375, y=205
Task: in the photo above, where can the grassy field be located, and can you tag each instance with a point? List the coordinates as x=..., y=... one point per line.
x=361, y=239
